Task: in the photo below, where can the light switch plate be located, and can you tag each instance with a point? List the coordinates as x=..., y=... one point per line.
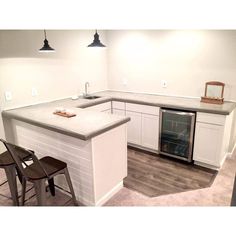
x=8, y=96
x=164, y=84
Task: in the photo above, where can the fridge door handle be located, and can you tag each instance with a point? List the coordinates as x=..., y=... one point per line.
x=182, y=113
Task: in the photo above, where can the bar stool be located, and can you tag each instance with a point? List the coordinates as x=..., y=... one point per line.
x=38, y=172
x=8, y=164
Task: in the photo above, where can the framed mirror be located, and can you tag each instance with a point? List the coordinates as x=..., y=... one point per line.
x=214, y=92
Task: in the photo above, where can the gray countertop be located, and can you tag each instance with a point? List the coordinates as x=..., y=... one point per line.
x=88, y=124
x=191, y=104
x=85, y=125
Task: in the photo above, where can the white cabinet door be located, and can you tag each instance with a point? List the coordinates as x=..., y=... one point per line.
x=118, y=112
x=208, y=143
x=134, y=127
x=100, y=107
x=118, y=105
x=150, y=131
x=107, y=111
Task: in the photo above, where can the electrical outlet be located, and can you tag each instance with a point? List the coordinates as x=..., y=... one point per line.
x=34, y=92
x=164, y=84
x=125, y=82
x=8, y=96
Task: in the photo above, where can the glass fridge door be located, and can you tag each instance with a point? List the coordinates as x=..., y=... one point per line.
x=177, y=133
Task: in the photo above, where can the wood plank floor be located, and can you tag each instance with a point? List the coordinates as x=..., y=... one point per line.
x=148, y=174
x=153, y=175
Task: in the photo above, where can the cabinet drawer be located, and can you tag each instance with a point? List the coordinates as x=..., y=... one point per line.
x=107, y=111
x=118, y=112
x=118, y=105
x=211, y=118
x=152, y=110
x=100, y=107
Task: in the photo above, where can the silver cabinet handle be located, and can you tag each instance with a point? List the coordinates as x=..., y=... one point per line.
x=178, y=112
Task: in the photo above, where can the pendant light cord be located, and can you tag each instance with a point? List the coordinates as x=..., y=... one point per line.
x=45, y=34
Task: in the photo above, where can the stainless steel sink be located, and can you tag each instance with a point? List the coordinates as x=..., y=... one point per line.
x=91, y=97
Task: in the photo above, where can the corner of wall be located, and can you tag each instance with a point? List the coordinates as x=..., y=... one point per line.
x=233, y=133
x=2, y=134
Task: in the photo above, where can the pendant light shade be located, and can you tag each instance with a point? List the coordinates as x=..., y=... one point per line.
x=96, y=42
x=46, y=47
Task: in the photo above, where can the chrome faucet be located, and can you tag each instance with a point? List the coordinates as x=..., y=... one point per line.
x=86, y=89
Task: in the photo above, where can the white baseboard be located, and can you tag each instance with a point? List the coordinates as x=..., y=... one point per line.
x=111, y=193
x=227, y=155
x=143, y=148
x=232, y=154
x=198, y=163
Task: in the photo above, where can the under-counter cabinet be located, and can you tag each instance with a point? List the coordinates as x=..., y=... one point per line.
x=118, y=108
x=212, y=135
x=102, y=107
x=134, y=130
x=143, y=129
x=150, y=131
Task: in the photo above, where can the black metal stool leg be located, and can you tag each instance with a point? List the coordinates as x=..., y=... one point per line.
x=67, y=175
x=39, y=186
x=23, y=191
x=19, y=175
x=11, y=177
x=51, y=186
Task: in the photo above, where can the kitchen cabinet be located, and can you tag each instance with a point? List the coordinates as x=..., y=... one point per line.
x=134, y=127
x=143, y=129
x=208, y=138
x=212, y=135
x=108, y=111
x=150, y=131
x=118, y=108
x=118, y=112
x=118, y=105
x=106, y=106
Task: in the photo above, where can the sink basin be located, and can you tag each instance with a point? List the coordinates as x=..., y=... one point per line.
x=91, y=97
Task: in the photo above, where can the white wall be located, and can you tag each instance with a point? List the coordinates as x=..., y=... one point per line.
x=233, y=134
x=1, y=134
x=185, y=59
x=55, y=75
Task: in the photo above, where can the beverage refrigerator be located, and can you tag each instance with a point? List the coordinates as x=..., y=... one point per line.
x=177, y=133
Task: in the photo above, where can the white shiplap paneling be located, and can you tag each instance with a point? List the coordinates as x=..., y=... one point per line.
x=76, y=153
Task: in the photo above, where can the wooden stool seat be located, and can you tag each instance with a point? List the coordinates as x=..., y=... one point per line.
x=50, y=165
x=6, y=159
x=8, y=164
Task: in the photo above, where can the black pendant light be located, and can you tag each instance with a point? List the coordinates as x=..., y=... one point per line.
x=96, y=42
x=46, y=47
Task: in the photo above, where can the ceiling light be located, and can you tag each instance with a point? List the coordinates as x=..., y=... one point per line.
x=96, y=42
x=46, y=47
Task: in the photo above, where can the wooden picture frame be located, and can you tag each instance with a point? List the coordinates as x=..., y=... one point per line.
x=214, y=99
